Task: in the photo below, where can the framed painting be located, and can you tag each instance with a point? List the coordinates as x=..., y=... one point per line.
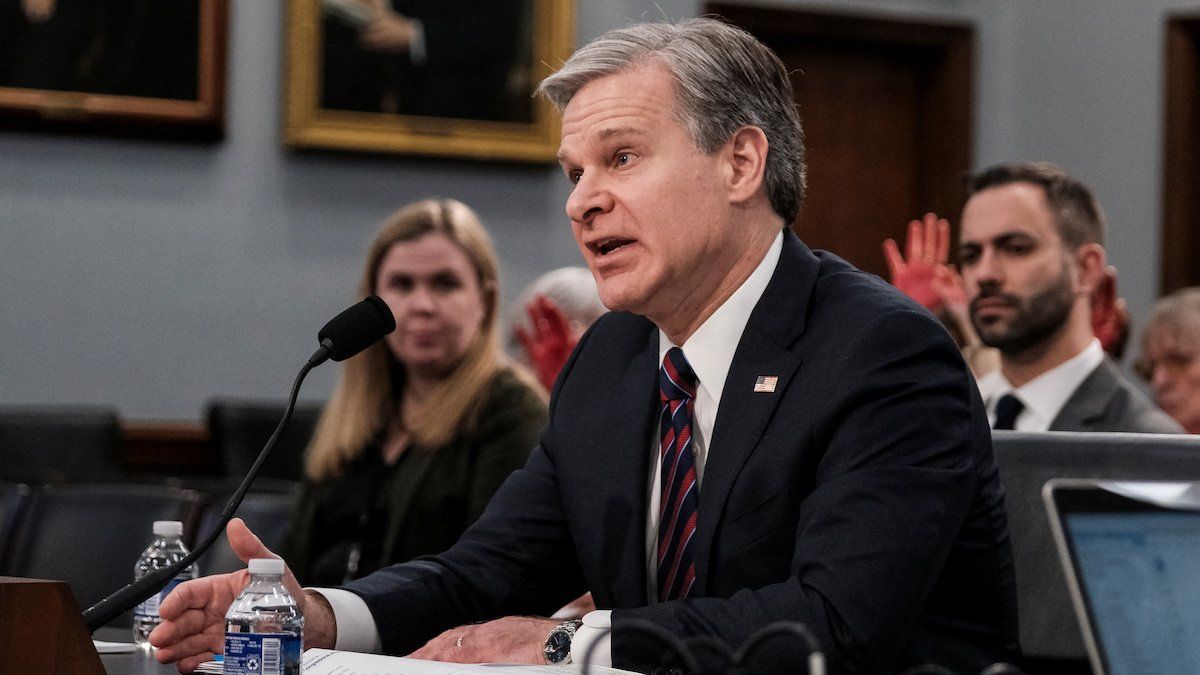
x=451, y=78
x=130, y=66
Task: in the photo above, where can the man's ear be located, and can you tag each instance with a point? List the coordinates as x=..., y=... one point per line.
x=1091, y=261
x=746, y=154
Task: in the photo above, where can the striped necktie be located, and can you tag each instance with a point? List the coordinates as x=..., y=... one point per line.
x=680, y=492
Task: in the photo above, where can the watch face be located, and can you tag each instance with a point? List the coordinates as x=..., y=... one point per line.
x=558, y=646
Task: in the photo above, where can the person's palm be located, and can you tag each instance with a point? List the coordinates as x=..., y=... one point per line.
x=922, y=273
x=549, y=342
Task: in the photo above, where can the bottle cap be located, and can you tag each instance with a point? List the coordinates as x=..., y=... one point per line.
x=168, y=528
x=266, y=566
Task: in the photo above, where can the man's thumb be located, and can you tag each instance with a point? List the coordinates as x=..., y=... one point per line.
x=245, y=544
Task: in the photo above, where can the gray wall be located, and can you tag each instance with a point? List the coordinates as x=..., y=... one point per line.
x=150, y=276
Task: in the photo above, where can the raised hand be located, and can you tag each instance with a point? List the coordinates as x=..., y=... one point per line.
x=927, y=251
x=193, y=615
x=550, y=340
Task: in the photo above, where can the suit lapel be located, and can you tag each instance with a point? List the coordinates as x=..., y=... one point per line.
x=774, y=325
x=1089, y=403
x=625, y=458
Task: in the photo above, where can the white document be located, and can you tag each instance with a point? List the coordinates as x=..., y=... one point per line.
x=104, y=647
x=329, y=662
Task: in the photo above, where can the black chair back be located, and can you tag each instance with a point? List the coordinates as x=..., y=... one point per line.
x=240, y=429
x=61, y=444
x=1049, y=628
x=91, y=535
x=267, y=514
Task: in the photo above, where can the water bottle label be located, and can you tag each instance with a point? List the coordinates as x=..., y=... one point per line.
x=150, y=606
x=262, y=654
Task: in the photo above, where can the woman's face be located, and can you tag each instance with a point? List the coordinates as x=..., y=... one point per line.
x=1173, y=371
x=433, y=290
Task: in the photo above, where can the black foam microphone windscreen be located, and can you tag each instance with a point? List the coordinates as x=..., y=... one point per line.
x=357, y=328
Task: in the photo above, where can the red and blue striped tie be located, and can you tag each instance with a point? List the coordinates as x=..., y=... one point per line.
x=680, y=491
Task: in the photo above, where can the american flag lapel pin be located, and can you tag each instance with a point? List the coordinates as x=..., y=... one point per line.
x=765, y=384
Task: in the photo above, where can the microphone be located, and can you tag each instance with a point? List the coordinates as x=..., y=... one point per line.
x=354, y=330
x=347, y=334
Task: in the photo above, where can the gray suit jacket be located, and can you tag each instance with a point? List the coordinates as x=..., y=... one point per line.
x=1106, y=401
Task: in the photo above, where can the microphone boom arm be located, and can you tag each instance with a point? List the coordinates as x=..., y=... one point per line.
x=133, y=593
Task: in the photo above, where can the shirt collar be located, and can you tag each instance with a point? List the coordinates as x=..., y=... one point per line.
x=710, y=349
x=1045, y=395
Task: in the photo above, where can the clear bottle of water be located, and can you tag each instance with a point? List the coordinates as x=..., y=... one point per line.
x=164, y=551
x=264, y=627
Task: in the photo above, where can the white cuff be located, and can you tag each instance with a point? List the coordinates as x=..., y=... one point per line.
x=596, y=628
x=356, y=631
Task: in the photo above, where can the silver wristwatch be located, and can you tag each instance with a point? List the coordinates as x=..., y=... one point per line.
x=558, y=643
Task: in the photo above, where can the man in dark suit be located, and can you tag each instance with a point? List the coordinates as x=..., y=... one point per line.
x=1032, y=253
x=757, y=433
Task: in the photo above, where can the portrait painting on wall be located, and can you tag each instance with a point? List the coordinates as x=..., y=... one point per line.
x=428, y=77
x=143, y=66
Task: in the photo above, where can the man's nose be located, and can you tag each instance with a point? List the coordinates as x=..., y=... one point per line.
x=987, y=270
x=588, y=199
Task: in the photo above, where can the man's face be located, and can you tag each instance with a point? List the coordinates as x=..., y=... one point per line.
x=1021, y=282
x=648, y=210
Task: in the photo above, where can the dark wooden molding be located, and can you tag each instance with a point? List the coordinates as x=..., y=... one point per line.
x=946, y=132
x=172, y=448
x=1180, y=244
x=931, y=160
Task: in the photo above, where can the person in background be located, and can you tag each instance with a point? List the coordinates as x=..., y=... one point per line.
x=757, y=432
x=558, y=307
x=1036, y=287
x=1170, y=360
x=425, y=425
x=925, y=274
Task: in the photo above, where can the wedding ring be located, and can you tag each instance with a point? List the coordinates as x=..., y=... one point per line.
x=458, y=642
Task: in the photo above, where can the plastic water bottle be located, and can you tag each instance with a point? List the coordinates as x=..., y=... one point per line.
x=164, y=551
x=264, y=627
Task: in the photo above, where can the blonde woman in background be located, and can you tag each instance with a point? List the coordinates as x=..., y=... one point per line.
x=424, y=426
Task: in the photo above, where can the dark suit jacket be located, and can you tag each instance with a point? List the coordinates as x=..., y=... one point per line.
x=860, y=498
x=1106, y=401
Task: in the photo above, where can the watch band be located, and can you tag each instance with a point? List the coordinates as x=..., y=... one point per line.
x=558, y=643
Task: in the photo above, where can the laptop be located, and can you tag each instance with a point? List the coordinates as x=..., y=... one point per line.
x=1131, y=554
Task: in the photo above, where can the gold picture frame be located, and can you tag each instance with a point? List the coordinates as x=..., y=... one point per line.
x=463, y=88
x=128, y=68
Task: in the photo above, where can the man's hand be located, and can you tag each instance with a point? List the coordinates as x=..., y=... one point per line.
x=550, y=341
x=928, y=251
x=193, y=615
x=513, y=639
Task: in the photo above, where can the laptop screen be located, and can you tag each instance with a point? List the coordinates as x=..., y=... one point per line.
x=1136, y=566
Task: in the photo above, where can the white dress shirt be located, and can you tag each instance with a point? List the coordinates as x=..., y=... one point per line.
x=1045, y=395
x=710, y=352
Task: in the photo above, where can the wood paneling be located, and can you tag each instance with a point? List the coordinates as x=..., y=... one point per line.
x=171, y=448
x=1180, y=245
x=886, y=108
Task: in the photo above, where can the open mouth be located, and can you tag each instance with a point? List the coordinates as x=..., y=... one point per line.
x=603, y=247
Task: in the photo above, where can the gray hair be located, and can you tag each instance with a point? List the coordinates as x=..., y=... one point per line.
x=1177, y=315
x=725, y=79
